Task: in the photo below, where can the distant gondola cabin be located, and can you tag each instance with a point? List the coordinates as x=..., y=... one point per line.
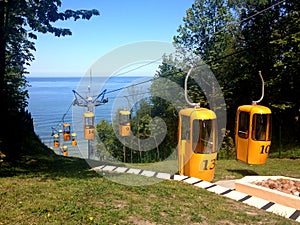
x=64, y=150
x=89, y=125
x=67, y=131
x=124, y=123
x=56, y=141
x=197, y=145
x=74, y=140
x=253, y=134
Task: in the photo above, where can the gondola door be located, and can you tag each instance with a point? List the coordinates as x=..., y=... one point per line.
x=242, y=135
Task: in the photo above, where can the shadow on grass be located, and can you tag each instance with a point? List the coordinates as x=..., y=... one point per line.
x=50, y=166
x=243, y=172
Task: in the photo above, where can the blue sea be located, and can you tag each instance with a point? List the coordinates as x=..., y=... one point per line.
x=50, y=100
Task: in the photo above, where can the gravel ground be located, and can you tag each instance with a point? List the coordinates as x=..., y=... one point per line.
x=284, y=185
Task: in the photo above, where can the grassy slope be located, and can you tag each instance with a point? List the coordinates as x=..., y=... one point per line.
x=50, y=189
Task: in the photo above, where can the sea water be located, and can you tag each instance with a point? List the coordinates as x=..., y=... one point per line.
x=51, y=100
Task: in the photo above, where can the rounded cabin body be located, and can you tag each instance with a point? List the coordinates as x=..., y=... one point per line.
x=197, y=143
x=67, y=131
x=124, y=123
x=253, y=134
x=89, y=125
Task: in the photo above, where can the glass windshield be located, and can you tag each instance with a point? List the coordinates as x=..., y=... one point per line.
x=203, y=136
x=243, y=126
x=124, y=119
x=261, y=124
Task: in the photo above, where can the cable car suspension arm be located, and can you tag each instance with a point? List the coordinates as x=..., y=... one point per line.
x=102, y=100
x=76, y=101
x=185, y=90
x=262, y=90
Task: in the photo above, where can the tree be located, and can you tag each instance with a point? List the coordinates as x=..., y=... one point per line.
x=211, y=30
x=239, y=38
x=20, y=21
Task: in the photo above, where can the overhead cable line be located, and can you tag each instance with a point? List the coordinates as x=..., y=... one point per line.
x=174, y=73
x=210, y=61
x=262, y=11
x=139, y=67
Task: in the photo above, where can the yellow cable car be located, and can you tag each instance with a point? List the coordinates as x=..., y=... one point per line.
x=197, y=154
x=124, y=123
x=89, y=125
x=197, y=140
x=74, y=141
x=56, y=141
x=253, y=131
x=253, y=134
x=64, y=150
x=67, y=131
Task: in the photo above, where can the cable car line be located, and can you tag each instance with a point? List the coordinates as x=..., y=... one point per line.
x=262, y=11
x=139, y=67
x=85, y=101
x=210, y=61
x=63, y=118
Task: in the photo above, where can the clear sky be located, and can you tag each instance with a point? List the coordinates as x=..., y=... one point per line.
x=120, y=22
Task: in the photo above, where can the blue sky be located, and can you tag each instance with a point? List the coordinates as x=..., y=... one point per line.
x=120, y=22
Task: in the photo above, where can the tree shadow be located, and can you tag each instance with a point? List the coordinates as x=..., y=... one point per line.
x=51, y=166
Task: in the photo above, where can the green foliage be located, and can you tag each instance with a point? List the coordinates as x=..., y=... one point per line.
x=242, y=37
x=20, y=21
x=236, y=39
x=109, y=144
x=227, y=150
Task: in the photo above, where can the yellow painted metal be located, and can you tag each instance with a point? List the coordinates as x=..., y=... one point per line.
x=254, y=140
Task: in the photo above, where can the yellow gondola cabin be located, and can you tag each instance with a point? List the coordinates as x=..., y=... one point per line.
x=64, y=150
x=67, y=131
x=74, y=141
x=89, y=125
x=253, y=134
x=55, y=141
x=197, y=146
x=124, y=123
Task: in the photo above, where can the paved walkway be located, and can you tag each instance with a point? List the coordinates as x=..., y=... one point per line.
x=226, y=183
x=224, y=188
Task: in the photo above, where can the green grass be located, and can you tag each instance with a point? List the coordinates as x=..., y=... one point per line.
x=63, y=190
